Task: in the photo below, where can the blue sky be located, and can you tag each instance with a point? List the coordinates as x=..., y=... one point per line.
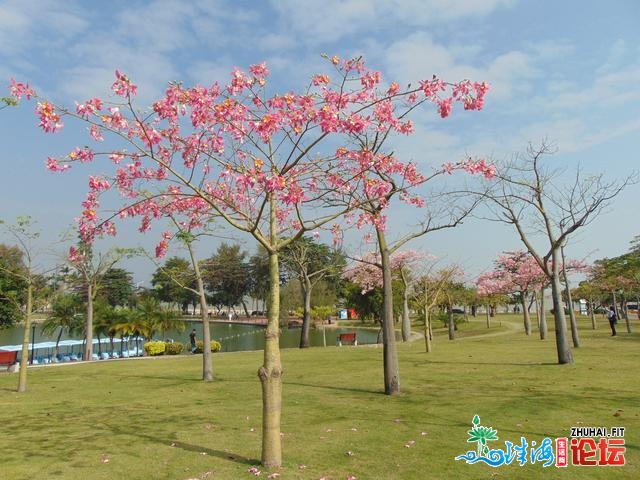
x=568, y=71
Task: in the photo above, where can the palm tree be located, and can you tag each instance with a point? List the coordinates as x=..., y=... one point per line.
x=153, y=317
x=133, y=326
x=106, y=320
x=64, y=316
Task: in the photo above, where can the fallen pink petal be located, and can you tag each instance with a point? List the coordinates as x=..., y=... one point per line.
x=254, y=471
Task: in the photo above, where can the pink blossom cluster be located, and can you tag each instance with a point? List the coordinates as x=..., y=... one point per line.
x=18, y=90
x=514, y=272
x=49, y=117
x=234, y=148
x=367, y=270
x=89, y=108
x=76, y=255
x=123, y=86
x=472, y=166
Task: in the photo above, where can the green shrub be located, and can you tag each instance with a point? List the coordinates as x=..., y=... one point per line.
x=173, y=348
x=153, y=349
x=215, y=346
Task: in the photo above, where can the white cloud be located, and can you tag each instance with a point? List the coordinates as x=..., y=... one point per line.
x=418, y=56
x=37, y=24
x=335, y=19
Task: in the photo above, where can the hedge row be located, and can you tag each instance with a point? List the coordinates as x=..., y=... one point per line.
x=155, y=348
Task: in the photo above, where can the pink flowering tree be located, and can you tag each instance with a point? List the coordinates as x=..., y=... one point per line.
x=438, y=209
x=367, y=273
x=273, y=166
x=520, y=275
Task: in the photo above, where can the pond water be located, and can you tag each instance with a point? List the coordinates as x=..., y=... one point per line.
x=232, y=336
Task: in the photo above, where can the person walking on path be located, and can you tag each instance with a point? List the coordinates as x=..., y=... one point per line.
x=613, y=319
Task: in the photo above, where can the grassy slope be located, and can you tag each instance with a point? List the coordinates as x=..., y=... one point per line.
x=155, y=418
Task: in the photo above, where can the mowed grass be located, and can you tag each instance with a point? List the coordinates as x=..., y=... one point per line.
x=155, y=419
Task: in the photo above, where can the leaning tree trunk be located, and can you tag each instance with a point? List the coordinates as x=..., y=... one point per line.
x=543, y=317
x=572, y=319
x=207, y=357
x=572, y=314
x=592, y=312
x=525, y=314
x=306, y=317
x=390, y=353
x=562, y=342
x=270, y=373
x=488, y=308
x=427, y=321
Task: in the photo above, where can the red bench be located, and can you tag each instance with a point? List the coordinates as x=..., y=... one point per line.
x=347, y=338
x=9, y=359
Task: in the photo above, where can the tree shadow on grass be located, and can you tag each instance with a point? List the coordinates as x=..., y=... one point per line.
x=337, y=387
x=516, y=364
x=221, y=454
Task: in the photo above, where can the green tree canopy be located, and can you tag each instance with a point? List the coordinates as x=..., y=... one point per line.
x=175, y=283
x=226, y=275
x=12, y=284
x=117, y=287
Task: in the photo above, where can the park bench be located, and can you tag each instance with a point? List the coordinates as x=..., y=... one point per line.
x=9, y=359
x=347, y=338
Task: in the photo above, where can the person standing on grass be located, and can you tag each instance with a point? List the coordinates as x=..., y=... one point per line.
x=613, y=319
x=192, y=338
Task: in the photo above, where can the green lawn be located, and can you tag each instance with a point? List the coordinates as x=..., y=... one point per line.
x=155, y=418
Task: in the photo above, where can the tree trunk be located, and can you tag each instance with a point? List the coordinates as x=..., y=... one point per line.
x=627, y=319
x=572, y=319
x=563, y=348
x=390, y=354
x=451, y=324
x=207, y=356
x=543, y=317
x=427, y=331
x=24, y=356
x=427, y=321
x=525, y=314
x=572, y=314
x=306, y=316
x=270, y=373
x=488, y=316
x=88, y=329
x=406, y=321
